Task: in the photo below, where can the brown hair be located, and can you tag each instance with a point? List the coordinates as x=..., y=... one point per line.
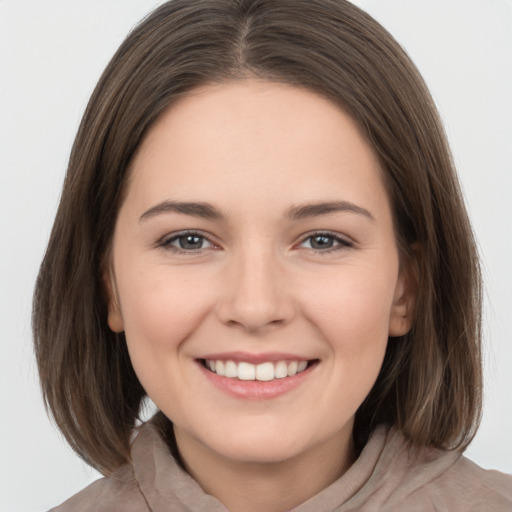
x=430, y=382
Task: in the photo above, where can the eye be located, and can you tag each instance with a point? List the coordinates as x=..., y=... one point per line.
x=325, y=242
x=186, y=242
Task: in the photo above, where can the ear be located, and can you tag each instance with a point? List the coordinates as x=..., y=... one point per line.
x=404, y=300
x=114, y=318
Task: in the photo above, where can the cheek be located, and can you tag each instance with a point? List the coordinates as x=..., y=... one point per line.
x=160, y=314
x=352, y=307
x=351, y=315
x=159, y=311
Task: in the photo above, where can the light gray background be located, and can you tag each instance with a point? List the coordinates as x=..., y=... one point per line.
x=51, y=55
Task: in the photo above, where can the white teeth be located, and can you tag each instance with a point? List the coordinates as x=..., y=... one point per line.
x=263, y=372
x=301, y=366
x=281, y=370
x=292, y=368
x=219, y=367
x=246, y=371
x=230, y=369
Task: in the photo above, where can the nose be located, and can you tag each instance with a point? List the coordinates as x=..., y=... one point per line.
x=256, y=295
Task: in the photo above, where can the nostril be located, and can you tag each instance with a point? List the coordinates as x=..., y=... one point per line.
x=255, y=304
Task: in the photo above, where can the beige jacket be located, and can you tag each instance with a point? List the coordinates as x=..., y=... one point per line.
x=388, y=476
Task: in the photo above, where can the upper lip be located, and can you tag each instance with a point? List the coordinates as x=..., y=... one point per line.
x=252, y=358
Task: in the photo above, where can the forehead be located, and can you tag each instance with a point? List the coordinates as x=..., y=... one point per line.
x=253, y=138
x=265, y=115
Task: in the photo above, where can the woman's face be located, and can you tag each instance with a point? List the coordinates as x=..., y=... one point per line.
x=256, y=239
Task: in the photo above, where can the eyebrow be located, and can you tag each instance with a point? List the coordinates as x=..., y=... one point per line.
x=296, y=212
x=195, y=209
x=315, y=209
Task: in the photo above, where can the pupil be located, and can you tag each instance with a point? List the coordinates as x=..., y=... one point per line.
x=191, y=242
x=321, y=242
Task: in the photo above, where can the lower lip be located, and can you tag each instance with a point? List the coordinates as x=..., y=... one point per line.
x=255, y=389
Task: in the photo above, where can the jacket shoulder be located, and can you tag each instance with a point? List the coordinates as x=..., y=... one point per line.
x=409, y=478
x=467, y=487
x=479, y=488
x=119, y=491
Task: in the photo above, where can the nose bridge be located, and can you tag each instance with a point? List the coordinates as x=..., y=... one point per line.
x=256, y=295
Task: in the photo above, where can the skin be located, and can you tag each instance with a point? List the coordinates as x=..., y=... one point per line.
x=259, y=284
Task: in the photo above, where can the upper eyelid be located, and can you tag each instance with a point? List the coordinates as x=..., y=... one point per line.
x=170, y=237
x=185, y=232
x=335, y=235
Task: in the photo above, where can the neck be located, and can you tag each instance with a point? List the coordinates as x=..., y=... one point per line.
x=271, y=486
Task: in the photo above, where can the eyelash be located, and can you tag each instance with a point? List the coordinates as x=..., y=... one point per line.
x=342, y=243
x=166, y=242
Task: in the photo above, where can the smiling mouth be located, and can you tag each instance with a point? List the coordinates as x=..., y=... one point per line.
x=263, y=372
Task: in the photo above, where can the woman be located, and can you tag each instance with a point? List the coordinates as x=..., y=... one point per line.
x=261, y=230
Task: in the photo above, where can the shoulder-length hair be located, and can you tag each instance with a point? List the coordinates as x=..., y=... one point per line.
x=430, y=382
